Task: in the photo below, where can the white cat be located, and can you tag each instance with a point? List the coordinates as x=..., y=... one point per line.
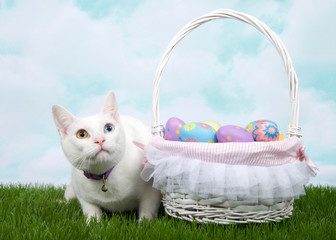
x=105, y=151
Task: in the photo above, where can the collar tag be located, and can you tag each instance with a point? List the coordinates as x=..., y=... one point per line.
x=103, y=176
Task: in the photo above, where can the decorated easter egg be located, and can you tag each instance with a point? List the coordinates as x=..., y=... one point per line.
x=231, y=133
x=172, y=129
x=265, y=131
x=198, y=132
x=282, y=137
x=215, y=125
x=252, y=124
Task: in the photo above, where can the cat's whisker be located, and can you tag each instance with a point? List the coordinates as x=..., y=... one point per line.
x=78, y=160
x=89, y=154
x=78, y=164
x=81, y=163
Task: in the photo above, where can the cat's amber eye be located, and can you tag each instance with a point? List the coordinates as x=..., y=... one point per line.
x=81, y=134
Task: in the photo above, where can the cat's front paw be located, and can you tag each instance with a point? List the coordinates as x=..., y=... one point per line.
x=91, y=217
x=146, y=217
x=69, y=193
x=149, y=205
x=91, y=211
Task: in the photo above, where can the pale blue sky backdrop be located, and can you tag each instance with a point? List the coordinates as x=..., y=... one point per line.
x=73, y=52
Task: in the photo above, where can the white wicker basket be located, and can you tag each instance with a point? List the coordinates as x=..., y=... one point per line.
x=213, y=208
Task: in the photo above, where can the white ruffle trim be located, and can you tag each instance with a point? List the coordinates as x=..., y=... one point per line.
x=199, y=179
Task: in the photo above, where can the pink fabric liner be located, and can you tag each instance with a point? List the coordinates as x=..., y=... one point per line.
x=250, y=153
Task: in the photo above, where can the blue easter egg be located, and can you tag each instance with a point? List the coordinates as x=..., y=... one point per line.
x=198, y=132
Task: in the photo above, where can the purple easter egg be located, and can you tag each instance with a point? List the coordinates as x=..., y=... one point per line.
x=231, y=133
x=172, y=129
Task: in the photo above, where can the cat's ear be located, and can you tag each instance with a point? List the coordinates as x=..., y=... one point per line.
x=139, y=145
x=111, y=106
x=62, y=118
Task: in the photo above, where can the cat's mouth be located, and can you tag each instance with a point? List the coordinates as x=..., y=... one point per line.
x=102, y=151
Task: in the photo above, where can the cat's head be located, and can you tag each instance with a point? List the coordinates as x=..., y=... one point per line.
x=93, y=144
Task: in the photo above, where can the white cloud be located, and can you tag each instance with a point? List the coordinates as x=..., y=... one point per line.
x=310, y=33
x=318, y=117
x=325, y=176
x=64, y=39
x=310, y=36
x=26, y=92
x=51, y=168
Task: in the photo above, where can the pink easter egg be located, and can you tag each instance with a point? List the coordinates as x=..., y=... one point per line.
x=252, y=124
x=172, y=129
x=231, y=133
x=265, y=131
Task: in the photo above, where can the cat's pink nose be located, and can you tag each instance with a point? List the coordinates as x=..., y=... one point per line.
x=100, y=141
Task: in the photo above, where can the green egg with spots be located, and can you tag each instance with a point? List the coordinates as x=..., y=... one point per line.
x=215, y=125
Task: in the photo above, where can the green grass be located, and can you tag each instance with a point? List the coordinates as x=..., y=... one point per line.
x=36, y=212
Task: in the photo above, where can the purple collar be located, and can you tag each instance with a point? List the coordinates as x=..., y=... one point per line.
x=96, y=176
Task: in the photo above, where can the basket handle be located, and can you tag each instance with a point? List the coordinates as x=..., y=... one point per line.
x=293, y=127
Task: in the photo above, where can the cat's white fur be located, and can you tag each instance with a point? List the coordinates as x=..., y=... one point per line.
x=126, y=190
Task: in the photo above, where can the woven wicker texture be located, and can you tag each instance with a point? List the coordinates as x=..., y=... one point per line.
x=190, y=208
x=182, y=207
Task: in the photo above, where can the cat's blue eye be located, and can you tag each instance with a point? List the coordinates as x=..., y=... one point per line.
x=108, y=128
